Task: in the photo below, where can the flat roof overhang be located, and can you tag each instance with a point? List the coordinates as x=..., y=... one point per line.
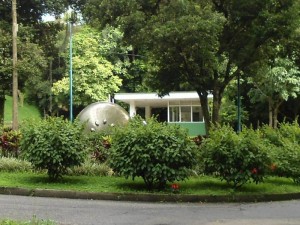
x=153, y=100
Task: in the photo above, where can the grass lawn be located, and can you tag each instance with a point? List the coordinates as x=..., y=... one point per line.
x=33, y=221
x=203, y=185
x=25, y=112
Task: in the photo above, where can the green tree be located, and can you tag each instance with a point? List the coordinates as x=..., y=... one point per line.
x=274, y=84
x=198, y=45
x=5, y=68
x=29, y=15
x=31, y=63
x=179, y=38
x=46, y=36
x=252, y=35
x=31, y=11
x=94, y=76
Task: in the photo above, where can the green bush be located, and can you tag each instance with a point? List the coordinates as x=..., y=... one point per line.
x=155, y=151
x=284, y=150
x=54, y=144
x=290, y=131
x=235, y=158
x=14, y=165
x=9, y=142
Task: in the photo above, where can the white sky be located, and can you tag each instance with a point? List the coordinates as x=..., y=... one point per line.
x=47, y=18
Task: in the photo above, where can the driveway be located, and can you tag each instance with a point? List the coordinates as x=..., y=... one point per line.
x=89, y=212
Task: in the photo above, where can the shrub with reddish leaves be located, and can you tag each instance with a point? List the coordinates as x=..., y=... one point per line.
x=175, y=187
x=9, y=142
x=99, y=144
x=198, y=139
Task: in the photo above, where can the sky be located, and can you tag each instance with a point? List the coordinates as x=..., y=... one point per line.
x=47, y=18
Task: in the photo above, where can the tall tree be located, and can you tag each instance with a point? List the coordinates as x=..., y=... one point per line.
x=31, y=11
x=279, y=82
x=31, y=64
x=200, y=45
x=5, y=68
x=254, y=29
x=29, y=14
x=15, y=122
x=178, y=38
x=94, y=76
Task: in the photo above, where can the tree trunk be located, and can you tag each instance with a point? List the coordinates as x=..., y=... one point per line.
x=15, y=124
x=51, y=82
x=205, y=110
x=270, y=113
x=2, y=103
x=275, y=119
x=216, y=106
x=275, y=114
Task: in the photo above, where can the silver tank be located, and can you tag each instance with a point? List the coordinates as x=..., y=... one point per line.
x=101, y=115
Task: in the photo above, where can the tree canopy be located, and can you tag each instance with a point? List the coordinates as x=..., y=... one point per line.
x=198, y=45
x=30, y=39
x=169, y=46
x=94, y=76
x=281, y=81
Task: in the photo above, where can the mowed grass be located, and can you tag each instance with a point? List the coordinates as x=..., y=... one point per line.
x=25, y=112
x=202, y=185
x=33, y=221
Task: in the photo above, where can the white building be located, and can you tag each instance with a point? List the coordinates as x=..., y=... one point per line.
x=181, y=108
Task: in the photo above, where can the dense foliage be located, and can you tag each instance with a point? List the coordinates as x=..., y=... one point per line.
x=235, y=158
x=201, y=45
x=157, y=152
x=53, y=144
x=284, y=150
x=94, y=75
x=280, y=83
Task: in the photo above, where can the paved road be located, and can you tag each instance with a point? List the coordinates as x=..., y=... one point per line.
x=89, y=212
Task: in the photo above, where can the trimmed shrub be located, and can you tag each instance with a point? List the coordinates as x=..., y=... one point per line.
x=157, y=152
x=54, y=144
x=284, y=150
x=235, y=158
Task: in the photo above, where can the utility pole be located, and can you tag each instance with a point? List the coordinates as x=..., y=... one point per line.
x=15, y=124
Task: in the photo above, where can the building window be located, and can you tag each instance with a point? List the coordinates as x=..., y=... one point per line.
x=174, y=114
x=185, y=114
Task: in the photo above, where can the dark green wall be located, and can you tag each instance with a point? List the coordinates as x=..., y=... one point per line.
x=195, y=128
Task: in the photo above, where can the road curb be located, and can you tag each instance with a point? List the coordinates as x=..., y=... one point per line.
x=145, y=197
